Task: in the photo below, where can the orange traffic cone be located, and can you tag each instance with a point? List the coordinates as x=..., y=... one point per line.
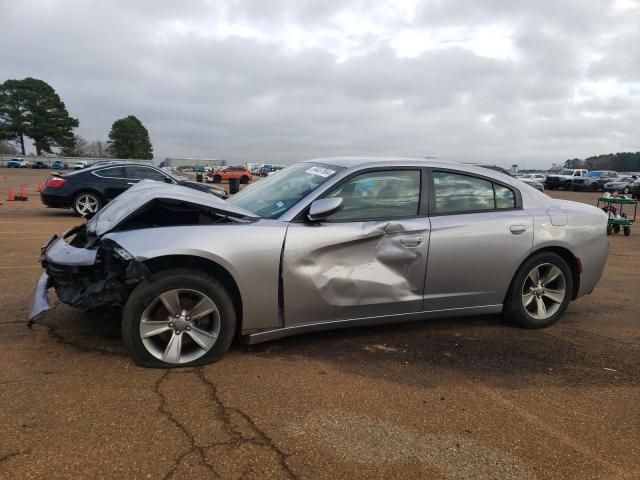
x=11, y=197
x=23, y=191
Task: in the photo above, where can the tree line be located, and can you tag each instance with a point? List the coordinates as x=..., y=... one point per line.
x=621, y=162
x=31, y=108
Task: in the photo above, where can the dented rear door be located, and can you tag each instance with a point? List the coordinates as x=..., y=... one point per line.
x=339, y=270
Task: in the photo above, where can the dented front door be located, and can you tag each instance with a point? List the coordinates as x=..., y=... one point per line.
x=339, y=271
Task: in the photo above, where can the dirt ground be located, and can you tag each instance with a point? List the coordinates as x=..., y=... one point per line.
x=447, y=399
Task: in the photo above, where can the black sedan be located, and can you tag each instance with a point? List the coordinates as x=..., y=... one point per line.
x=86, y=191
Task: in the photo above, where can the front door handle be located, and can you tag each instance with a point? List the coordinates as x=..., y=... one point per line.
x=131, y=183
x=409, y=242
x=517, y=229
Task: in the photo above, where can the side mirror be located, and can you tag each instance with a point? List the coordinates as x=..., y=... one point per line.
x=324, y=208
x=167, y=180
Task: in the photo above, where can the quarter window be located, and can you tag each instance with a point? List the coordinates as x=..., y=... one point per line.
x=112, y=172
x=142, y=173
x=379, y=195
x=504, y=197
x=457, y=193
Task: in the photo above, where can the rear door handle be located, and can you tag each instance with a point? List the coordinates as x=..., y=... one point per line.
x=409, y=242
x=517, y=229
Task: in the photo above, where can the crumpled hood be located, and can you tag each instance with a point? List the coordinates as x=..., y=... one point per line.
x=146, y=191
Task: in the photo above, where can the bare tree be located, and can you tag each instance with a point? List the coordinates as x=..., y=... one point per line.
x=98, y=149
x=6, y=148
x=79, y=148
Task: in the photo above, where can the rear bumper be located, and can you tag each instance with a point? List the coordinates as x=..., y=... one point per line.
x=55, y=201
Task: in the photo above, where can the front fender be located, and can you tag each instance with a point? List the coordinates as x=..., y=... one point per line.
x=249, y=252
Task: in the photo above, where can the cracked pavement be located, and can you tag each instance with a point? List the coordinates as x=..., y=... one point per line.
x=446, y=399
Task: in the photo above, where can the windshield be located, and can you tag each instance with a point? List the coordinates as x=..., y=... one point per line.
x=274, y=195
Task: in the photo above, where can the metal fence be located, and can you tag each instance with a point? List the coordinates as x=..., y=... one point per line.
x=4, y=159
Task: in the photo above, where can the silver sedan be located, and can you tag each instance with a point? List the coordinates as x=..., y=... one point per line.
x=324, y=244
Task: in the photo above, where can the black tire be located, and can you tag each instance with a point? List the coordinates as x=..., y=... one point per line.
x=627, y=231
x=595, y=187
x=217, y=179
x=244, y=179
x=179, y=278
x=609, y=229
x=616, y=229
x=626, y=190
x=77, y=203
x=514, y=309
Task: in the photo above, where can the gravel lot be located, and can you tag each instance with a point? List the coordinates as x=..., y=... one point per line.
x=455, y=399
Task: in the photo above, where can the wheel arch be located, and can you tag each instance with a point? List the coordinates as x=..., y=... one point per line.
x=207, y=266
x=568, y=257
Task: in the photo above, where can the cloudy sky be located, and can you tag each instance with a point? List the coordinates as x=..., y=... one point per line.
x=501, y=81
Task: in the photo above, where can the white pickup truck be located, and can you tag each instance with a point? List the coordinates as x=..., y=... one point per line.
x=564, y=178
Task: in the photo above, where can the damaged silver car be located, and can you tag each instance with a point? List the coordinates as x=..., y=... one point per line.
x=324, y=244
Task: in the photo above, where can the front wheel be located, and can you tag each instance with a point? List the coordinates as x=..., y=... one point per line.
x=217, y=179
x=178, y=318
x=627, y=231
x=626, y=190
x=540, y=291
x=244, y=180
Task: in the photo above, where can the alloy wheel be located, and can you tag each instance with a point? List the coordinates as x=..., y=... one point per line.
x=87, y=204
x=180, y=326
x=544, y=290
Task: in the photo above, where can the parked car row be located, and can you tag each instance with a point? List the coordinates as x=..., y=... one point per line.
x=595, y=181
x=56, y=165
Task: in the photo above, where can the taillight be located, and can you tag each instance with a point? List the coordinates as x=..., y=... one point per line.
x=55, y=182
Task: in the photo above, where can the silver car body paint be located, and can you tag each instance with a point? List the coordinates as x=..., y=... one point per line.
x=361, y=273
x=348, y=270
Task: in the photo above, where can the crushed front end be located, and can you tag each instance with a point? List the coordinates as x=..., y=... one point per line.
x=85, y=271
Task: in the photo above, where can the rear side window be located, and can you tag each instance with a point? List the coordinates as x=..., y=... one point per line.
x=141, y=173
x=458, y=193
x=111, y=172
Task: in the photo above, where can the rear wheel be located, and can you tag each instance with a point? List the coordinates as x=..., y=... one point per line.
x=87, y=204
x=609, y=229
x=626, y=190
x=217, y=179
x=178, y=318
x=540, y=291
x=627, y=231
x=616, y=229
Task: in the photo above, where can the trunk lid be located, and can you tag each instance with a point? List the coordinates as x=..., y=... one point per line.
x=146, y=191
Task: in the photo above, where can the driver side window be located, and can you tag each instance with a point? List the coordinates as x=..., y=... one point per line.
x=382, y=195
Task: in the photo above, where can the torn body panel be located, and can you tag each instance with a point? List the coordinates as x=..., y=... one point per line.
x=146, y=192
x=89, y=273
x=354, y=269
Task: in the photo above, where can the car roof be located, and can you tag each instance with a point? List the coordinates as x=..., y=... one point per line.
x=349, y=162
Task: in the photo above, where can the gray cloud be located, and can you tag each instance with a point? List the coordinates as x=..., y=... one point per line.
x=223, y=80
